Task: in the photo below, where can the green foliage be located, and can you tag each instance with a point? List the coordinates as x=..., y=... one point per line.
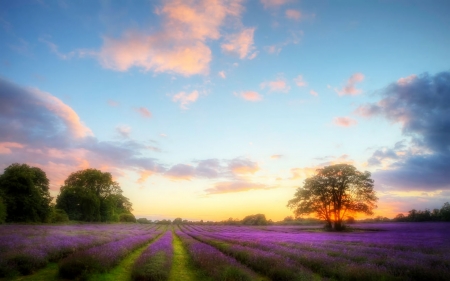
x=163, y=222
x=58, y=216
x=127, y=218
x=2, y=211
x=143, y=221
x=334, y=193
x=414, y=215
x=177, y=221
x=445, y=212
x=91, y=195
x=25, y=193
x=258, y=219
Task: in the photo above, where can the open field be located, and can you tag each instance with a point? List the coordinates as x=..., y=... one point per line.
x=388, y=251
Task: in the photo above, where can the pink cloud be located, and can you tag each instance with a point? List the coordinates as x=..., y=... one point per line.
x=113, y=103
x=406, y=80
x=234, y=186
x=276, y=156
x=144, y=175
x=293, y=14
x=300, y=81
x=349, y=88
x=144, y=112
x=240, y=44
x=180, y=45
x=313, y=93
x=222, y=74
x=7, y=147
x=239, y=166
x=279, y=85
x=303, y=173
x=344, y=121
x=40, y=130
x=185, y=99
x=250, y=96
x=69, y=117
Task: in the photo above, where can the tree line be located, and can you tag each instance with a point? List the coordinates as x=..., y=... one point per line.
x=414, y=215
x=88, y=195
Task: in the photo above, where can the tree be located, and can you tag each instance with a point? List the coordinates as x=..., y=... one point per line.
x=334, y=192
x=2, y=211
x=445, y=212
x=177, y=221
x=258, y=219
x=25, y=193
x=91, y=195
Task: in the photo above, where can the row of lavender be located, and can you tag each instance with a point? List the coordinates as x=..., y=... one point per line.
x=397, y=251
x=26, y=248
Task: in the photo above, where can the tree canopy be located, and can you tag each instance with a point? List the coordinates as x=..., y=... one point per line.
x=258, y=219
x=25, y=192
x=92, y=195
x=335, y=192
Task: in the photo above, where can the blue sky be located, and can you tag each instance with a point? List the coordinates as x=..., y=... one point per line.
x=217, y=109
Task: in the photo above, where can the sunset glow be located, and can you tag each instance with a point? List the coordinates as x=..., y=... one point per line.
x=208, y=110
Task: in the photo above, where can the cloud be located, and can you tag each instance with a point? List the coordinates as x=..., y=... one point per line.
x=8, y=147
x=250, y=96
x=222, y=74
x=234, y=186
x=240, y=44
x=276, y=156
x=420, y=105
x=113, y=103
x=313, y=93
x=293, y=14
x=242, y=166
x=274, y=3
x=299, y=81
x=185, y=99
x=209, y=168
x=180, y=172
x=124, y=131
x=350, y=87
x=39, y=129
x=144, y=112
x=279, y=85
x=344, y=121
x=406, y=80
x=303, y=173
x=180, y=45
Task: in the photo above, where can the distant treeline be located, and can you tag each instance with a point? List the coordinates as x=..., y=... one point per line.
x=87, y=195
x=257, y=219
x=414, y=215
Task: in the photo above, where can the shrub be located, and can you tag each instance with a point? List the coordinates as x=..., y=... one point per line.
x=58, y=215
x=2, y=211
x=127, y=218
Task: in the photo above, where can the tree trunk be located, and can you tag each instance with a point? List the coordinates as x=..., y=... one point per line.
x=338, y=225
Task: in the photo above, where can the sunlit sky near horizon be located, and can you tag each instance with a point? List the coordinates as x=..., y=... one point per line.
x=217, y=109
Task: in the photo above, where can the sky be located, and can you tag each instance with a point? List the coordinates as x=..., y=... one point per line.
x=214, y=109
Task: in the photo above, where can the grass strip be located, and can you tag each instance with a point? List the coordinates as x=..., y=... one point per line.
x=122, y=272
x=48, y=273
x=182, y=267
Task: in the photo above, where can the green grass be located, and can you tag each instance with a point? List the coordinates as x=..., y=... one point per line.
x=48, y=273
x=182, y=267
x=122, y=272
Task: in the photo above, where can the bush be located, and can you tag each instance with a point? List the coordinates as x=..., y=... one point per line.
x=58, y=215
x=2, y=211
x=127, y=218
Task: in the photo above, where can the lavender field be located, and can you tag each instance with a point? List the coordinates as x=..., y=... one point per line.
x=387, y=251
